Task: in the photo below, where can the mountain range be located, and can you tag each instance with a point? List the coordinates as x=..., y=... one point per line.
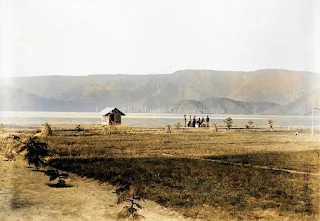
x=269, y=91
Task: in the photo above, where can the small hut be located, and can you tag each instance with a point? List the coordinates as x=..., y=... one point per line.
x=111, y=116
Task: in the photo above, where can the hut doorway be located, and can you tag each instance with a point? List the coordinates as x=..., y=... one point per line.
x=112, y=119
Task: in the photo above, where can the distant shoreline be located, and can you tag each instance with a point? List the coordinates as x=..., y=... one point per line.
x=147, y=119
x=138, y=115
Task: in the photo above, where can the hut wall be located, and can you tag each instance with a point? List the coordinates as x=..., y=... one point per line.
x=118, y=118
x=105, y=120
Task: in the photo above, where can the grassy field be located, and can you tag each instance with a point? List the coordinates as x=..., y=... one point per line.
x=180, y=173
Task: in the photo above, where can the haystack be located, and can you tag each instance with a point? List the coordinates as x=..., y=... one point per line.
x=214, y=127
x=167, y=130
x=11, y=155
x=46, y=130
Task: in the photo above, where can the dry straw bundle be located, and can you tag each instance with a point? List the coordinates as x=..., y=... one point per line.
x=214, y=127
x=111, y=129
x=11, y=154
x=12, y=142
x=167, y=130
x=46, y=130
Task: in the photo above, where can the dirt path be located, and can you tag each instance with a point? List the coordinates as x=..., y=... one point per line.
x=250, y=165
x=259, y=167
x=25, y=195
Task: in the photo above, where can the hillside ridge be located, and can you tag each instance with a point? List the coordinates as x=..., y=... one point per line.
x=95, y=92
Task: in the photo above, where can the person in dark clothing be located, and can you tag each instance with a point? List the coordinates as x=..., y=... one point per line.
x=199, y=122
x=207, y=121
x=189, y=123
x=202, y=121
x=194, y=121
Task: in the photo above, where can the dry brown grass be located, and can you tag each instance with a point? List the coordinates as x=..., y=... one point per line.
x=198, y=188
x=168, y=129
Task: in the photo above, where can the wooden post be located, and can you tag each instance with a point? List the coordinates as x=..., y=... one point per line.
x=314, y=108
x=312, y=120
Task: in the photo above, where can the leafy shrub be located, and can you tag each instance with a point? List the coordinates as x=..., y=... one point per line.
x=228, y=122
x=250, y=124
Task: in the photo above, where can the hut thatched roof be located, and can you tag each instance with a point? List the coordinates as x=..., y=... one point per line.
x=109, y=110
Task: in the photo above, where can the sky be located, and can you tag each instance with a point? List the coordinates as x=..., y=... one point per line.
x=82, y=37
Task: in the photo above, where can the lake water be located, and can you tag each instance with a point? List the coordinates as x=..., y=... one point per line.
x=144, y=119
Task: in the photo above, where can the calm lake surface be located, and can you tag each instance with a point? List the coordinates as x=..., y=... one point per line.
x=146, y=119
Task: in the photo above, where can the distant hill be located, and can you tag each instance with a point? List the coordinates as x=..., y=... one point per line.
x=302, y=105
x=217, y=106
x=235, y=92
x=12, y=99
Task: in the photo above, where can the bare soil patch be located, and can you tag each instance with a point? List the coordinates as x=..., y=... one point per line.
x=25, y=196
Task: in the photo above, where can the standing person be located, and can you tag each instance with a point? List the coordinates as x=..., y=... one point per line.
x=202, y=122
x=199, y=122
x=207, y=121
x=194, y=121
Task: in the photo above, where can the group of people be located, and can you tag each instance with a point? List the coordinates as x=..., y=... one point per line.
x=204, y=122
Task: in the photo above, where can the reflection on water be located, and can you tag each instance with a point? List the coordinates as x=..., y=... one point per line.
x=26, y=117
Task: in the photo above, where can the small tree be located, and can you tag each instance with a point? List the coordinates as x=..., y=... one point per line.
x=130, y=192
x=270, y=122
x=35, y=151
x=250, y=124
x=228, y=122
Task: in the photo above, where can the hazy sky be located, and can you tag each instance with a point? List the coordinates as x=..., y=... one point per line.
x=77, y=37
